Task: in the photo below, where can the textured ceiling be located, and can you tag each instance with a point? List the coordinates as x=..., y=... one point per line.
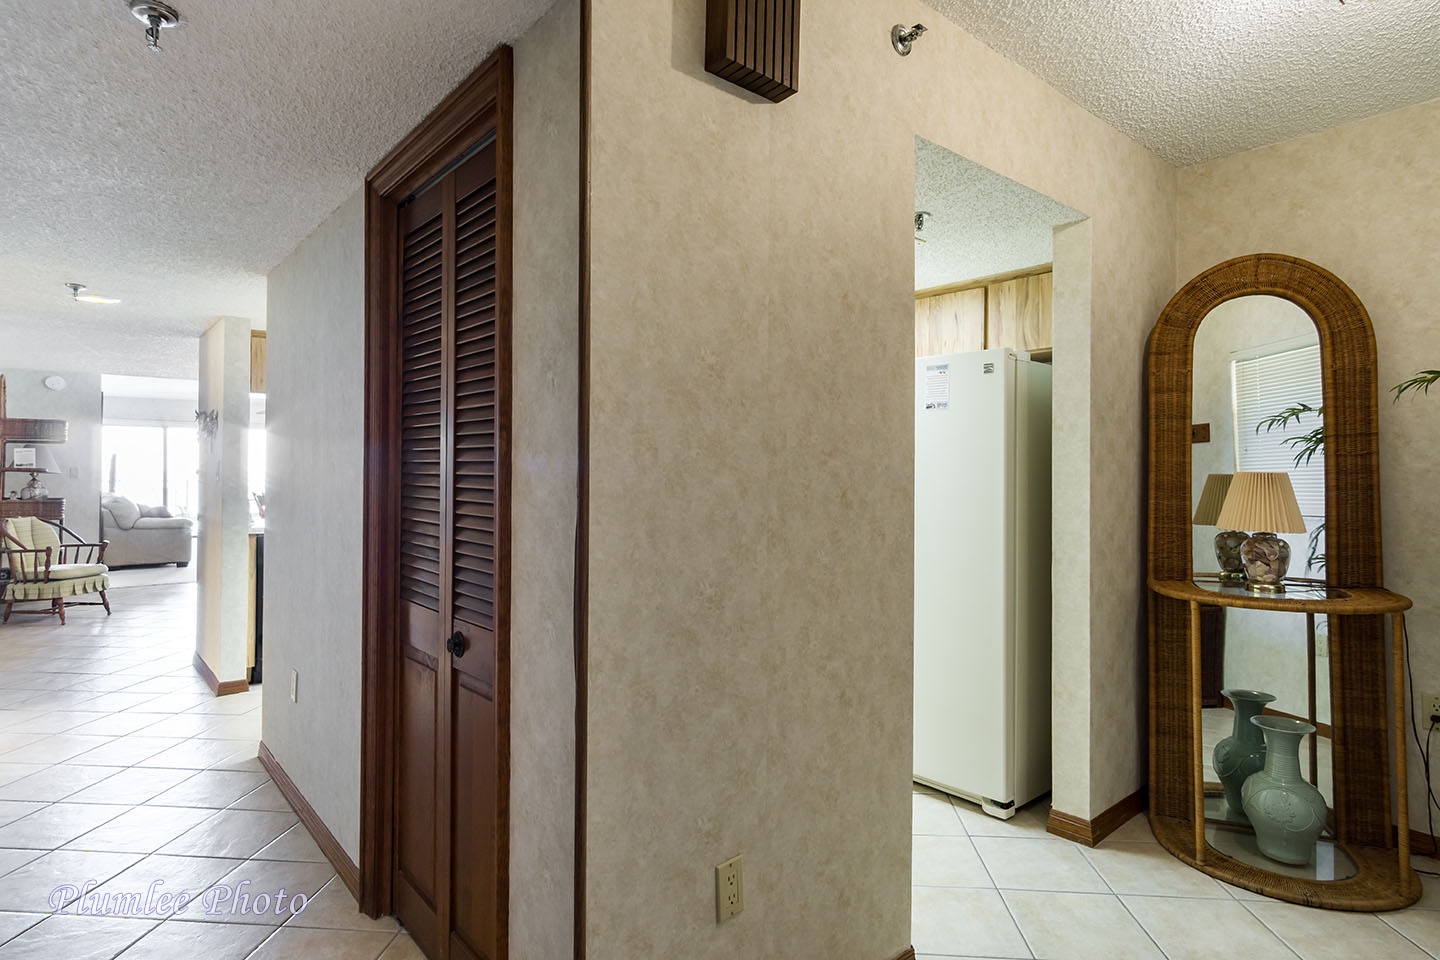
x=983, y=223
x=176, y=181
x=1198, y=79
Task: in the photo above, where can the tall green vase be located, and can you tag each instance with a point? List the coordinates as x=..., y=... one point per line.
x=1243, y=752
x=1285, y=810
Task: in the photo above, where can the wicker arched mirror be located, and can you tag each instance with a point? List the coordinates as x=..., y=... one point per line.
x=1351, y=601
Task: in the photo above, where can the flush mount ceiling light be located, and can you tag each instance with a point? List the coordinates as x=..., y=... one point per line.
x=156, y=16
x=78, y=297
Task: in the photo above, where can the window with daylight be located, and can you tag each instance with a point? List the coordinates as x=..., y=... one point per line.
x=1268, y=385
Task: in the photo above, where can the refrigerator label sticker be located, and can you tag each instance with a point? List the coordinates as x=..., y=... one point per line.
x=937, y=386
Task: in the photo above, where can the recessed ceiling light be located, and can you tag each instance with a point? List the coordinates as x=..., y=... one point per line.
x=79, y=297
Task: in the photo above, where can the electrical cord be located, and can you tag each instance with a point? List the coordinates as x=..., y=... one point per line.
x=1431, y=802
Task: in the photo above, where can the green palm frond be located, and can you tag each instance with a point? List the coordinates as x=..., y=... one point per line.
x=1421, y=382
x=1305, y=445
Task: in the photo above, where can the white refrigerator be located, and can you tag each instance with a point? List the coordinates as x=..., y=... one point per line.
x=982, y=577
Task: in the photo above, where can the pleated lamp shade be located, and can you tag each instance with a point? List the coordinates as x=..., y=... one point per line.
x=1261, y=501
x=1216, y=486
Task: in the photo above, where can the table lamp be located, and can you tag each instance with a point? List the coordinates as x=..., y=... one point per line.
x=1227, y=542
x=1265, y=503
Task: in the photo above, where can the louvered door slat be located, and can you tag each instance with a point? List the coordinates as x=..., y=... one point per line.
x=420, y=408
x=475, y=420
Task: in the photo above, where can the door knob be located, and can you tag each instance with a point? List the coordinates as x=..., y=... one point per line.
x=455, y=645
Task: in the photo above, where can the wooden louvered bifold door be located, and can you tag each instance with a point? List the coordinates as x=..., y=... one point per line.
x=454, y=450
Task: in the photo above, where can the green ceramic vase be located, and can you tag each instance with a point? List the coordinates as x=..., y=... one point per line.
x=1285, y=810
x=1243, y=752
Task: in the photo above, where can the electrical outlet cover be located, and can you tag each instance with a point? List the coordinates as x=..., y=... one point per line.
x=729, y=889
x=1431, y=703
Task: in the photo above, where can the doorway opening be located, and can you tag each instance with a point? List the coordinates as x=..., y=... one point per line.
x=988, y=252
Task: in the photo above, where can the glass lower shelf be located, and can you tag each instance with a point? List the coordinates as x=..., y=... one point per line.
x=1232, y=835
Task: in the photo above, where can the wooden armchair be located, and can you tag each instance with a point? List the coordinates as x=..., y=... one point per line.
x=45, y=567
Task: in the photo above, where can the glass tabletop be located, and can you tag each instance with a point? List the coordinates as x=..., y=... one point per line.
x=1294, y=589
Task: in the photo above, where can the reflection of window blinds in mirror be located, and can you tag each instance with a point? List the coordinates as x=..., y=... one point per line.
x=1264, y=386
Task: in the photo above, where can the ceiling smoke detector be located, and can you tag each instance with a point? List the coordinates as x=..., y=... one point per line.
x=156, y=16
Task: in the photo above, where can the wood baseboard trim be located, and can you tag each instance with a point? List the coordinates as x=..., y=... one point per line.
x=1091, y=832
x=324, y=839
x=907, y=954
x=213, y=682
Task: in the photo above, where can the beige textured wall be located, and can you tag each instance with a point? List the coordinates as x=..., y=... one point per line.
x=750, y=618
x=1363, y=201
x=313, y=518
x=546, y=365
x=222, y=572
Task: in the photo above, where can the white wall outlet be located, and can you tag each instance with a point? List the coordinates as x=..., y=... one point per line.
x=729, y=889
x=294, y=686
x=1430, y=704
x=1322, y=645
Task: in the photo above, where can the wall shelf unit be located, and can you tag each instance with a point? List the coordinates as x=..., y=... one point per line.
x=19, y=431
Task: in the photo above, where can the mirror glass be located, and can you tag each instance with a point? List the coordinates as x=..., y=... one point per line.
x=1257, y=386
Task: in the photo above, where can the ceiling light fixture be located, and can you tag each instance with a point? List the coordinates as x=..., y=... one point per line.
x=156, y=16
x=79, y=297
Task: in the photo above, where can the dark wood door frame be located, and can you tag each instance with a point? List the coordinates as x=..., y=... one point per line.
x=482, y=104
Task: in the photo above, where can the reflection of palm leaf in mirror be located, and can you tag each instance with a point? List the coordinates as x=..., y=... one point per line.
x=1420, y=382
x=1317, y=559
x=1306, y=445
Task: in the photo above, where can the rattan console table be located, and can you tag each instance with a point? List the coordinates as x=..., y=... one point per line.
x=1364, y=863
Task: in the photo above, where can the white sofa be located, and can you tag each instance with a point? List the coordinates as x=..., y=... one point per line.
x=139, y=534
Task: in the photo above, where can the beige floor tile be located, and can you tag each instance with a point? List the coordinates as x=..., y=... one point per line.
x=1079, y=926
x=131, y=785
x=55, y=748
x=1135, y=830
x=403, y=948
x=33, y=886
x=55, y=783
x=184, y=725
x=1018, y=863
x=197, y=753
x=1333, y=935
x=227, y=727
x=1028, y=822
x=10, y=772
x=210, y=788
x=12, y=810
x=115, y=724
x=237, y=897
x=141, y=829
x=13, y=924
x=245, y=758
x=334, y=908
x=934, y=815
x=13, y=858
x=293, y=844
x=947, y=862
x=56, y=721
x=1204, y=929
x=119, y=700
x=1422, y=927
x=231, y=833
x=57, y=824
x=179, y=880
x=267, y=796
x=75, y=938
x=189, y=940
x=313, y=944
x=950, y=920
x=124, y=751
x=1149, y=869
x=233, y=705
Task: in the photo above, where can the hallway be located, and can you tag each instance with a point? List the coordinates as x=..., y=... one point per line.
x=120, y=773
